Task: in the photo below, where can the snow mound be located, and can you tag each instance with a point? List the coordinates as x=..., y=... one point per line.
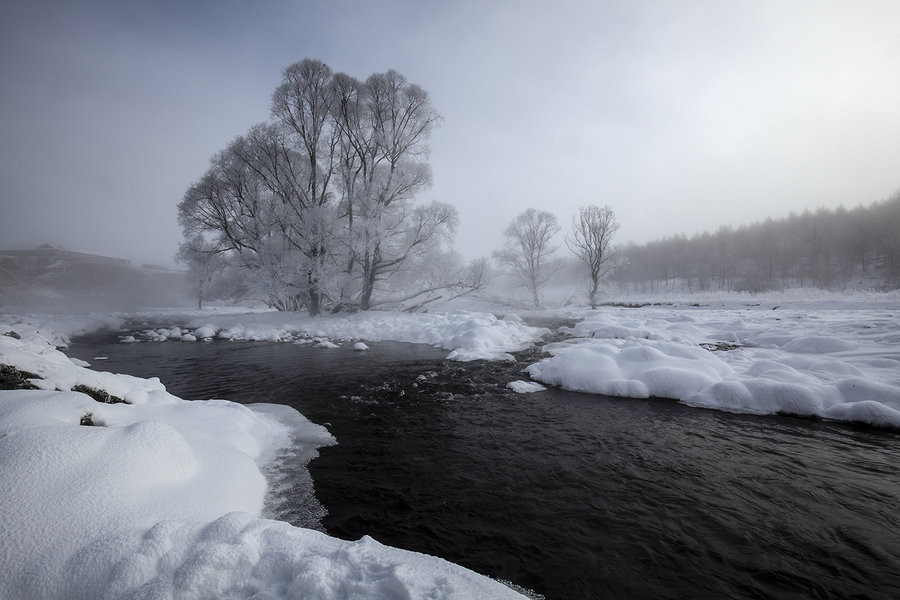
x=468, y=335
x=240, y=556
x=205, y=331
x=637, y=369
x=162, y=498
x=840, y=363
x=525, y=387
x=816, y=344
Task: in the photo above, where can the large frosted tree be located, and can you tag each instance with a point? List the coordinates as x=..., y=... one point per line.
x=384, y=126
x=317, y=205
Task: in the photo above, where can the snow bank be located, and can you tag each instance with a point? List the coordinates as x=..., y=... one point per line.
x=161, y=499
x=34, y=354
x=837, y=361
x=239, y=556
x=58, y=329
x=631, y=368
x=468, y=335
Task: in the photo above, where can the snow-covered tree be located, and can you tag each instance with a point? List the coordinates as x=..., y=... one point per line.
x=528, y=251
x=316, y=205
x=384, y=126
x=592, y=231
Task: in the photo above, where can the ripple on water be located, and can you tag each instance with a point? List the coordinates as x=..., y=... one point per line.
x=574, y=496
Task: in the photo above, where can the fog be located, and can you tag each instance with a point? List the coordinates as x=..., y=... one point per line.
x=680, y=116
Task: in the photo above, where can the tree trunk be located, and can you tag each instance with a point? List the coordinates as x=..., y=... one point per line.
x=369, y=266
x=365, y=300
x=315, y=295
x=534, y=294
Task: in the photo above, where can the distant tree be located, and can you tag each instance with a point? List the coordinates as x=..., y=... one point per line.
x=832, y=249
x=528, y=251
x=886, y=218
x=592, y=231
x=205, y=261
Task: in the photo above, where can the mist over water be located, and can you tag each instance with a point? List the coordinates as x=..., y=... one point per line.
x=571, y=495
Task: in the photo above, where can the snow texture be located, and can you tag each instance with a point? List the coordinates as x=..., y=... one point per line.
x=162, y=498
x=831, y=360
x=468, y=335
x=525, y=387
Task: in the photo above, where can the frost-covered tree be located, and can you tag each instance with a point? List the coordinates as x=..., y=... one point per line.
x=528, y=251
x=316, y=205
x=234, y=207
x=384, y=126
x=592, y=232
x=833, y=249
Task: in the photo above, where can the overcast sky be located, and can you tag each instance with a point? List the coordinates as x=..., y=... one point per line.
x=680, y=115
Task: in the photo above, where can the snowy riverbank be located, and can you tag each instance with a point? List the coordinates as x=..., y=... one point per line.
x=833, y=357
x=836, y=360
x=163, y=497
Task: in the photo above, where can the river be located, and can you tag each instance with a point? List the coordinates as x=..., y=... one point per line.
x=570, y=495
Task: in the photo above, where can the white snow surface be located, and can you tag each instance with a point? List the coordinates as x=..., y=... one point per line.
x=829, y=359
x=525, y=387
x=162, y=497
x=468, y=335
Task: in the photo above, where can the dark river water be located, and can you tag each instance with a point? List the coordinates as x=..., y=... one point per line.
x=570, y=495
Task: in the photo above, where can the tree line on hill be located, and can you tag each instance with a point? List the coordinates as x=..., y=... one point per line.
x=829, y=249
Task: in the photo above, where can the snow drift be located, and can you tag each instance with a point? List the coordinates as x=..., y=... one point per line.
x=161, y=498
x=468, y=335
x=834, y=362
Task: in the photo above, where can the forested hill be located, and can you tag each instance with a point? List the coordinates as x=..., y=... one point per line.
x=834, y=249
